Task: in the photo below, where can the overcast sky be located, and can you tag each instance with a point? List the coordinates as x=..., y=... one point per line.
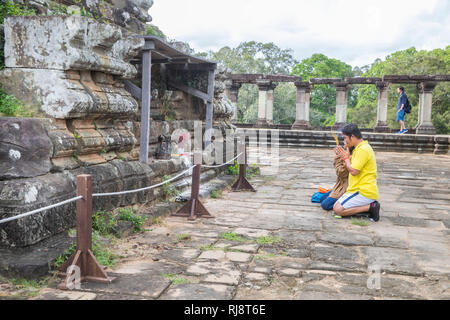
x=354, y=31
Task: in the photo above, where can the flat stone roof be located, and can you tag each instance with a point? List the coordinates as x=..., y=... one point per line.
x=165, y=53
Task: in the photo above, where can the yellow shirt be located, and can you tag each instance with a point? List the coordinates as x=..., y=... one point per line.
x=365, y=182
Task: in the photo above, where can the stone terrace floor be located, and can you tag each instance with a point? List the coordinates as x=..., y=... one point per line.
x=316, y=257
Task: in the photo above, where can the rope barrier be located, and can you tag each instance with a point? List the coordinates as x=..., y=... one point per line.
x=142, y=189
x=40, y=210
x=110, y=194
x=221, y=165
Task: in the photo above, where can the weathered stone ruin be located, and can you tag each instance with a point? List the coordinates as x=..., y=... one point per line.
x=131, y=15
x=70, y=72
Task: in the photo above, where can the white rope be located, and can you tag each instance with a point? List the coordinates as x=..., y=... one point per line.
x=108, y=194
x=40, y=210
x=142, y=189
x=221, y=165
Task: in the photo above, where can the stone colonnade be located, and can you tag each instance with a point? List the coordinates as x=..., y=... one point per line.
x=425, y=86
x=266, y=85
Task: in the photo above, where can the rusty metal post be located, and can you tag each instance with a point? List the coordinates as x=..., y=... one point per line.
x=83, y=258
x=194, y=208
x=242, y=182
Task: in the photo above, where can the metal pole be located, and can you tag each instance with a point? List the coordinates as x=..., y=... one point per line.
x=194, y=208
x=146, y=100
x=242, y=183
x=84, y=213
x=83, y=259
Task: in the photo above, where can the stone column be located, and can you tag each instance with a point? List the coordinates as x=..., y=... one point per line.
x=382, y=109
x=425, y=124
x=420, y=115
x=342, y=89
x=264, y=86
x=269, y=105
x=302, y=106
x=232, y=92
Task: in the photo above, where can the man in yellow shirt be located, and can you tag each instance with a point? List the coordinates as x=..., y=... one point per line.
x=362, y=191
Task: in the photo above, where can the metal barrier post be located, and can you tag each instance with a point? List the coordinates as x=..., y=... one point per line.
x=194, y=208
x=242, y=182
x=83, y=258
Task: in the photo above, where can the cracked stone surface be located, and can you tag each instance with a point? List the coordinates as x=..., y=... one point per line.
x=286, y=248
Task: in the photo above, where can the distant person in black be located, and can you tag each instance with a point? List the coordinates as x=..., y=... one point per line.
x=401, y=110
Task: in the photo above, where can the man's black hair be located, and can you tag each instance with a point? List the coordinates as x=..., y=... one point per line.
x=352, y=129
x=402, y=88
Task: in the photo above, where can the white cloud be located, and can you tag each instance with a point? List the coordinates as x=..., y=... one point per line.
x=356, y=32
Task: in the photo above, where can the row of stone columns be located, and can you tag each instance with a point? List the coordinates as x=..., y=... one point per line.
x=302, y=122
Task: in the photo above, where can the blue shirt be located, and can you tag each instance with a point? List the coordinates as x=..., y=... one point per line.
x=401, y=100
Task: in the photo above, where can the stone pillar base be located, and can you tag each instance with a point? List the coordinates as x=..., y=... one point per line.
x=426, y=129
x=261, y=123
x=301, y=125
x=338, y=126
x=382, y=127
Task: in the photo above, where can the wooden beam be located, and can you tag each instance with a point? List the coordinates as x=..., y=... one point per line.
x=189, y=90
x=133, y=89
x=160, y=61
x=193, y=67
x=146, y=99
x=180, y=60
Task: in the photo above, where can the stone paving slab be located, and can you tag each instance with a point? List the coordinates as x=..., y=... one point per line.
x=133, y=285
x=316, y=256
x=199, y=292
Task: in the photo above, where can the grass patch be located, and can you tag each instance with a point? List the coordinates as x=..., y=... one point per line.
x=232, y=237
x=13, y=107
x=176, y=280
x=265, y=256
x=106, y=222
x=183, y=237
x=129, y=215
x=65, y=256
x=157, y=221
x=234, y=169
x=267, y=241
x=360, y=222
x=167, y=190
x=252, y=170
x=210, y=247
x=216, y=194
x=104, y=256
x=29, y=288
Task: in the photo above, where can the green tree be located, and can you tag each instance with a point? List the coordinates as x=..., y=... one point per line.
x=323, y=97
x=255, y=57
x=409, y=62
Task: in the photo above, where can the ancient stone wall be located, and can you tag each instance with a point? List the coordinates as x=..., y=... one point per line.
x=69, y=70
x=131, y=15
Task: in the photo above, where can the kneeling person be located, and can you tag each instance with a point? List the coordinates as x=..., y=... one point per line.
x=362, y=192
